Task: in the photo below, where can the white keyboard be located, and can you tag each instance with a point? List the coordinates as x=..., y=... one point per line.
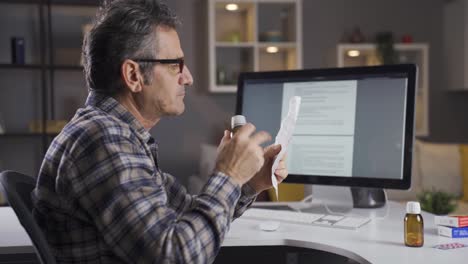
x=336, y=221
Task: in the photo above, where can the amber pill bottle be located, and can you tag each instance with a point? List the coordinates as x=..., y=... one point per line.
x=414, y=225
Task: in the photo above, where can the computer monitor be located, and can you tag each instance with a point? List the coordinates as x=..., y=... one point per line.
x=355, y=125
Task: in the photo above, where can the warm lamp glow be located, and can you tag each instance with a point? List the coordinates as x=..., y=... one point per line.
x=353, y=53
x=232, y=7
x=272, y=49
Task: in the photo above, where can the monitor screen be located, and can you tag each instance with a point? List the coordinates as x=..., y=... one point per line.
x=354, y=128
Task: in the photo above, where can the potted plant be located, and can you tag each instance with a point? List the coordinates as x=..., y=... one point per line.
x=437, y=202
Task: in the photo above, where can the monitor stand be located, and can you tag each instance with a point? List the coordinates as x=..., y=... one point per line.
x=345, y=200
x=368, y=197
x=336, y=200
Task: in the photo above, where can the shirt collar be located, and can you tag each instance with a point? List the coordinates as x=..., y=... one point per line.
x=111, y=106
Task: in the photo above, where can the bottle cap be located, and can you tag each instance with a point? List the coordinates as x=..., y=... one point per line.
x=413, y=208
x=238, y=120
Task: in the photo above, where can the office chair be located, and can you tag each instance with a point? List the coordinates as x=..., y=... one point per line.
x=17, y=189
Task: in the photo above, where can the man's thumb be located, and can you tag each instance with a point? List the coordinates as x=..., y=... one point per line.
x=272, y=151
x=226, y=136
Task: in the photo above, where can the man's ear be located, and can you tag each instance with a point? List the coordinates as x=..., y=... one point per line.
x=132, y=76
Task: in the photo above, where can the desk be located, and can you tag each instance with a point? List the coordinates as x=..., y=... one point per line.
x=379, y=242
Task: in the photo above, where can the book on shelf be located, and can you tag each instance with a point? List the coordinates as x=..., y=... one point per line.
x=452, y=220
x=453, y=232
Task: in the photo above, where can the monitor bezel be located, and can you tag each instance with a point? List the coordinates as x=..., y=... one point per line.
x=408, y=69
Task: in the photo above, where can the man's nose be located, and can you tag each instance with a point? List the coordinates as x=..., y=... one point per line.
x=186, y=78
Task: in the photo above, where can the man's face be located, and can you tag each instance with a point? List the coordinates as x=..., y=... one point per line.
x=164, y=96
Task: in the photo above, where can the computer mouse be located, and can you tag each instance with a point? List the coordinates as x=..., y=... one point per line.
x=269, y=225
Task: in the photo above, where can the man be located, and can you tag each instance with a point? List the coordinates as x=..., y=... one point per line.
x=101, y=196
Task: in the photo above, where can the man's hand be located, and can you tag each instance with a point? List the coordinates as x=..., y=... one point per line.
x=241, y=156
x=262, y=180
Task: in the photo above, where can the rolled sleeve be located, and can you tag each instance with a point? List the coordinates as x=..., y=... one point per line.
x=247, y=197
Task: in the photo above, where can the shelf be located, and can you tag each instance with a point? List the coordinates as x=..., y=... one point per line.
x=277, y=21
x=21, y=66
x=38, y=67
x=238, y=25
x=252, y=35
x=47, y=82
x=230, y=62
x=372, y=46
x=235, y=44
x=277, y=44
x=226, y=88
x=281, y=58
x=365, y=54
x=67, y=67
x=20, y=1
x=76, y=2
x=54, y=2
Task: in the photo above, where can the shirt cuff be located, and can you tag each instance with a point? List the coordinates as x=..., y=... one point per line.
x=223, y=187
x=248, y=191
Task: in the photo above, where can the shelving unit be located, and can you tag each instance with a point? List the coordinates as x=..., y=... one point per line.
x=365, y=54
x=38, y=67
x=46, y=85
x=252, y=35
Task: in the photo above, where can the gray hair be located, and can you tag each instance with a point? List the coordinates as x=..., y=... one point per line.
x=123, y=29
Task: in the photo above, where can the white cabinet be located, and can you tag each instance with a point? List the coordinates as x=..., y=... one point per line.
x=252, y=35
x=455, y=39
x=349, y=55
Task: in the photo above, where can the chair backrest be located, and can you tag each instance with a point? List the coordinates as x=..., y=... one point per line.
x=17, y=188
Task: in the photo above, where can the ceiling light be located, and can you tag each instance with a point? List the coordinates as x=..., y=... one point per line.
x=353, y=53
x=272, y=49
x=232, y=7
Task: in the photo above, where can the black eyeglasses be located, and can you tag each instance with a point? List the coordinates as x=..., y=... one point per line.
x=179, y=61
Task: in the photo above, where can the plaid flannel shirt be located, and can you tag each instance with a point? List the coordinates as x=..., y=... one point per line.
x=102, y=198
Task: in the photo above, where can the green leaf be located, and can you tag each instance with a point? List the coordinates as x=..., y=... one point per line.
x=437, y=202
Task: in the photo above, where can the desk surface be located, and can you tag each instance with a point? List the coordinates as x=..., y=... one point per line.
x=380, y=241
